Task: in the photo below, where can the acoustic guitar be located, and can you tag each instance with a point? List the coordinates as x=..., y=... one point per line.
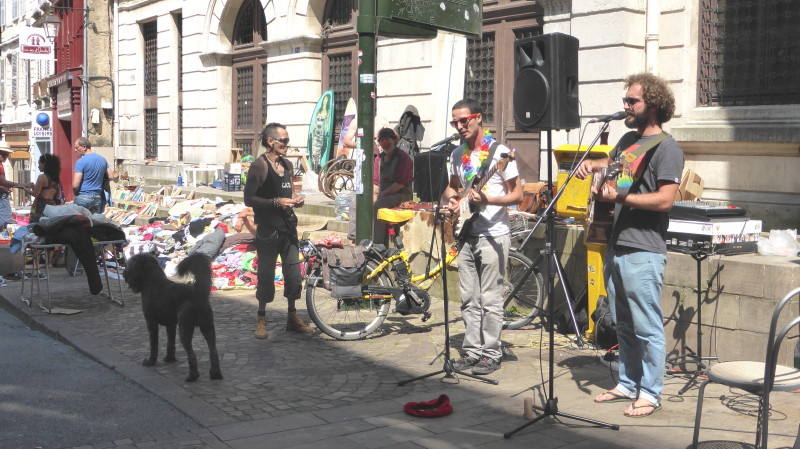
x=467, y=212
x=600, y=215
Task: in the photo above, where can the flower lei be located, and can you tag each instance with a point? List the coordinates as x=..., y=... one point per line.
x=466, y=160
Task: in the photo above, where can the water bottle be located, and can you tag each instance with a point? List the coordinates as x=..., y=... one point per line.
x=180, y=180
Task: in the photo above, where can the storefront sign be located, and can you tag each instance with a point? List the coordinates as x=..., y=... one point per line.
x=64, y=102
x=34, y=45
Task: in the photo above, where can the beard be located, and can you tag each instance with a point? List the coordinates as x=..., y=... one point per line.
x=637, y=120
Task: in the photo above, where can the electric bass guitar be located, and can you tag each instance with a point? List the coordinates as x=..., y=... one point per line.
x=600, y=215
x=467, y=212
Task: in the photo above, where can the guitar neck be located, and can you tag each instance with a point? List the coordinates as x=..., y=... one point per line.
x=480, y=184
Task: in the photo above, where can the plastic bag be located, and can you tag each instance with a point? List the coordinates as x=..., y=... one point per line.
x=310, y=183
x=342, y=204
x=781, y=242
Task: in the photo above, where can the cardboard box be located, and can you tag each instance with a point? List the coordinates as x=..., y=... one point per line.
x=231, y=182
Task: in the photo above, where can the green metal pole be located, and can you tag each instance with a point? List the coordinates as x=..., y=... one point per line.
x=367, y=77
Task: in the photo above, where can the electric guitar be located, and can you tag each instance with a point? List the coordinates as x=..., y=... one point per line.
x=600, y=215
x=467, y=212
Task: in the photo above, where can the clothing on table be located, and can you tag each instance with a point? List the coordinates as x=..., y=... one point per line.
x=634, y=267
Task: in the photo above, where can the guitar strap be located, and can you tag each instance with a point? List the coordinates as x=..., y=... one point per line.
x=631, y=154
x=488, y=161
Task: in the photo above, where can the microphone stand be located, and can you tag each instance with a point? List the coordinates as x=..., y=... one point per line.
x=448, y=370
x=551, y=406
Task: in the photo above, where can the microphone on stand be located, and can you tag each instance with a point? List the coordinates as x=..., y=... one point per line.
x=615, y=116
x=447, y=140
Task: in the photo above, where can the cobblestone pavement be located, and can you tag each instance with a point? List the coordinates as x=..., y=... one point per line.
x=345, y=394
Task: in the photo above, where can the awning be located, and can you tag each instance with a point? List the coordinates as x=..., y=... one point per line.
x=17, y=139
x=20, y=154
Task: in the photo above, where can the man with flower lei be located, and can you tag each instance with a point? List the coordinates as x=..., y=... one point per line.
x=484, y=254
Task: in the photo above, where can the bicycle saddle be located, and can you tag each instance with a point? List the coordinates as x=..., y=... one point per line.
x=395, y=216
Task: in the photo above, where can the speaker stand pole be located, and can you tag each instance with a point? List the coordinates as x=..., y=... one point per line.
x=448, y=370
x=551, y=406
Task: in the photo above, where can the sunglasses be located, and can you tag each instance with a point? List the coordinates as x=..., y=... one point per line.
x=283, y=140
x=463, y=120
x=630, y=101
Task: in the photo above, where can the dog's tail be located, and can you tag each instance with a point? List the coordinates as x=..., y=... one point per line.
x=200, y=267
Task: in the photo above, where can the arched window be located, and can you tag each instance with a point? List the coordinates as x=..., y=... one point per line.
x=249, y=68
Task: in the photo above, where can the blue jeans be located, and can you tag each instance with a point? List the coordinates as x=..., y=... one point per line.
x=92, y=201
x=633, y=282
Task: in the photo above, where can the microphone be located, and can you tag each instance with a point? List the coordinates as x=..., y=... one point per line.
x=447, y=140
x=615, y=116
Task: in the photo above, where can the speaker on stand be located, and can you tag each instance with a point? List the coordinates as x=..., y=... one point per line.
x=546, y=83
x=546, y=99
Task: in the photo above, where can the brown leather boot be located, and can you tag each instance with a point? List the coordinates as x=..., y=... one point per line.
x=261, y=328
x=295, y=324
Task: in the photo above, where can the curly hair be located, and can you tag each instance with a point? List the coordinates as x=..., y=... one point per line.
x=656, y=93
x=52, y=166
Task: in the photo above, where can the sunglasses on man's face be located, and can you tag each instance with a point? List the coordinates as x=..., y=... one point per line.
x=463, y=120
x=283, y=140
x=630, y=101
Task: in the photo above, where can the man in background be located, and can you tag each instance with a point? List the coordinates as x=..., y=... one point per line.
x=88, y=180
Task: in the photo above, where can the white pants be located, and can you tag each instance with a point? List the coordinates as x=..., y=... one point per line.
x=481, y=269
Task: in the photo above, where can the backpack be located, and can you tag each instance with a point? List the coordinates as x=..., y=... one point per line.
x=605, y=329
x=343, y=270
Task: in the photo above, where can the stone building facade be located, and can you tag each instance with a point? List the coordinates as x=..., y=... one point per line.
x=216, y=70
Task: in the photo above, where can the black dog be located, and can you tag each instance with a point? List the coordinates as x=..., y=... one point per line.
x=170, y=303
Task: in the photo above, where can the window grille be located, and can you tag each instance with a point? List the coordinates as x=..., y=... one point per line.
x=246, y=146
x=749, y=53
x=250, y=23
x=180, y=132
x=263, y=97
x=479, y=76
x=149, y=34
x=179, y=27
x=341, y=12
x=340, y=81
x=151, y=133
x=244, y=97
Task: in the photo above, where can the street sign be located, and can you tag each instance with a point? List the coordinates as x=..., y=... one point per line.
x=457, y=16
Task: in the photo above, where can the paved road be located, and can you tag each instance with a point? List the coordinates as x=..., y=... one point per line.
x=52, y=396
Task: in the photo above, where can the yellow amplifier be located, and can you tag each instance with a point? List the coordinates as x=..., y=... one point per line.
x=573, y=201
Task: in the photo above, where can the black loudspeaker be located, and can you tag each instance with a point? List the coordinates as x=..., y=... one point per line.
x=430, y=174
x=546, y=82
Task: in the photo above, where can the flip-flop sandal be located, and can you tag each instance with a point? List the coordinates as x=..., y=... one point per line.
x=617, y=398
x=655, y=408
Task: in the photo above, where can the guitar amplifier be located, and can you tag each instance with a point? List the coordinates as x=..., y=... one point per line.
x=723, y=236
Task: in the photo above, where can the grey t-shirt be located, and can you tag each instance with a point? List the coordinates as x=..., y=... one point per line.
x=637, y=228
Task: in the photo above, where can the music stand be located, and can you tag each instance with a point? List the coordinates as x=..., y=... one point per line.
x=699, y=254
x=448, y=370
x=551, y=406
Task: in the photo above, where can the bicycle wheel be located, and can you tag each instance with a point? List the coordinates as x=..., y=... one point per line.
x=528, y=302
x=347, y=318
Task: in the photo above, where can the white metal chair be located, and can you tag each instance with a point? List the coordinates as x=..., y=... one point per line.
x=759, y=378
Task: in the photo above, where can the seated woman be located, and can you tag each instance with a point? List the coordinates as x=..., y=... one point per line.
x=48, y=187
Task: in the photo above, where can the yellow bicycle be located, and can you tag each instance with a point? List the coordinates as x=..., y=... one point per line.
x=388, y=276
